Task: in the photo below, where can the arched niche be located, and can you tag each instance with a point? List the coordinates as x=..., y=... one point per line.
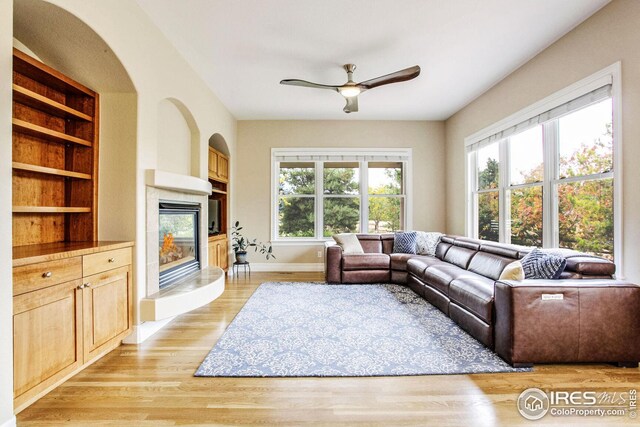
x=218, y=142
x=63, y=41
x=178, y=138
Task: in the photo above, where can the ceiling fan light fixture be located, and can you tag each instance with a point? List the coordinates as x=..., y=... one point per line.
x=349, y=91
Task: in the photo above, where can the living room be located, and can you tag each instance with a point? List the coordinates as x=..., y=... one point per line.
x=163, y=105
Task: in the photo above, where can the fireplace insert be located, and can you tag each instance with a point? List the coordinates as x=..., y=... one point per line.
x=179, y=253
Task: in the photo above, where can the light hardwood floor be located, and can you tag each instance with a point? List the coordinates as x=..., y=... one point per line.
x=152, y=384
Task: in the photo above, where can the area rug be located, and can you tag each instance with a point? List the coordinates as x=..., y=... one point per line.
x=297, y=329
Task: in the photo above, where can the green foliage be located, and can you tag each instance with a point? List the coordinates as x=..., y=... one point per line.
x=385, y=212
x=585, y=211
x=241, y=244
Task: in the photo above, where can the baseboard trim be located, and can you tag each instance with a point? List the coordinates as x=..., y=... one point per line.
x=144, y=330
x=287, y=266
x=11, y=422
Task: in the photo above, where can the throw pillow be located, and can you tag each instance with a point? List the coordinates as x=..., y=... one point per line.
x=513, y=271
x=426, y=242
x=542, y=265
x=349, y=243
x=405, y=242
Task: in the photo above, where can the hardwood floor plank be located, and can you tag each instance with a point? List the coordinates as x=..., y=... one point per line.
x=152, y=384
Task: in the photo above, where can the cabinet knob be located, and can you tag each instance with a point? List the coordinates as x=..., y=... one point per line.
x=46, y=275
x=80, y=286
x=86, y=285
x=112, y=260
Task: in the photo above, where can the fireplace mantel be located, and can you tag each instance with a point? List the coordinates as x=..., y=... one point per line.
x=177, y=182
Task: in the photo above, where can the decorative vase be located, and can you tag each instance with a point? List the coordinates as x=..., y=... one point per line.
x=241, y=257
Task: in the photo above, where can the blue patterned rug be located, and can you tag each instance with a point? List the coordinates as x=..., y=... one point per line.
x=320, y=330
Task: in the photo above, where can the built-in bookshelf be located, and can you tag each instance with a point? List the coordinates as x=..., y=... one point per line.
x=55, y=155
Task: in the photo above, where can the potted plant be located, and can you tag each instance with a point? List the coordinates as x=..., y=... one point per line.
x=241, y=243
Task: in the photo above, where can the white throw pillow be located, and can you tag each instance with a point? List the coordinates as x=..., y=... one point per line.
x=513, y=271
x=349, y=243
x=426, y=242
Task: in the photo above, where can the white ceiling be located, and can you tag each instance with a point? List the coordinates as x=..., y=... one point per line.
x=243, y=48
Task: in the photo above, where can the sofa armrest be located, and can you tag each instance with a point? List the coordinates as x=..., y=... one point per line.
x=580, y=320
x=333, y=263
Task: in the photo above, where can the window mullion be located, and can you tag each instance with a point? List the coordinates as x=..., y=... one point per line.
x=319, y=200
x=364, y=197
x=549, y=190
x=504, y=215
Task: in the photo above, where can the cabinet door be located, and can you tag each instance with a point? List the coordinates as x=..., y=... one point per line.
x=213, y=254
x=223, y=258
x=107, y=316
x=223, y=167
x=47, y=338
x=213, y=163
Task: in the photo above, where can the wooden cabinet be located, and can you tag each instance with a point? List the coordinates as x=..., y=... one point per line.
x=106, y=310
x=72, y=303
x=219, y=251
x=218, y=166
x=223, y=168
x=55, y=155
x=46, y=331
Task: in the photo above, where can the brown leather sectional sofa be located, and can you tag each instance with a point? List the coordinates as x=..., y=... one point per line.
x=585, y=316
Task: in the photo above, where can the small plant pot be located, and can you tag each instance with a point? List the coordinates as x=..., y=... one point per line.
x=241, y=256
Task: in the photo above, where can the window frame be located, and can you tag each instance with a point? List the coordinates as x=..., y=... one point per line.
x=348, y=155
x=609, y=75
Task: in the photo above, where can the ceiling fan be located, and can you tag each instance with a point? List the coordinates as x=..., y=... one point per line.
x=350, y=90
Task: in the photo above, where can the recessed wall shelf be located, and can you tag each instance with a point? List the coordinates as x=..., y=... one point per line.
x=39, y=102
x=49, y=209
x=50, y=171
x=48, y=134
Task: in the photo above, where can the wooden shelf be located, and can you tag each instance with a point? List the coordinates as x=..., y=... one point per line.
x=49, y=209
x=215, y=190
x=48, y=134
x=42, y=103
x=50, y=171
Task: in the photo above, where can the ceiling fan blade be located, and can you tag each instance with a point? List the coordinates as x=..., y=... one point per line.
x=352, y=104
x=398, y=76
x=304, y=83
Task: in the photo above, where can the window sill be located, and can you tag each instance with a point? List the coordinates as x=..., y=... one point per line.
x=301, y=242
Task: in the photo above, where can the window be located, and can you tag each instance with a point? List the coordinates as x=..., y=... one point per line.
x=548, y=181
x=324, y=192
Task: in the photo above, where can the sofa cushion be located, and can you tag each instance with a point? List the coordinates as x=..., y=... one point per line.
x=416, y=264
x=474, y=293
x=371, y=243
x=349, y=243
x=399, y=261
x=459, y=256
x=488, y=265
x=439, y=276
x=542, y=265
x=405, y=242
x=442, y=248
x=365, y=262
x=513, y=271
x=427, y=242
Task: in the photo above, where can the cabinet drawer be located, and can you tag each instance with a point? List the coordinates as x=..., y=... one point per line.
x=32, y=277
x=103, y=261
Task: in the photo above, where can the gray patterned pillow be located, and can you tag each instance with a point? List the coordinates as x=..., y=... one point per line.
x=542, y=265
x=426, y=242
x=404, y=242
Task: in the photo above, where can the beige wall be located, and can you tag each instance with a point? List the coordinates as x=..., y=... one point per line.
x=256, y=138
x=6, y=292
x=612, y=34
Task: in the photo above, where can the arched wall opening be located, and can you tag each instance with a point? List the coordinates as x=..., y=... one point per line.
x=218, y=142
x=62, y=41
x=178, y=139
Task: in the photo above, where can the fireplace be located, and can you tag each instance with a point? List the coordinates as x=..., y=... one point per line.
x=179, y=253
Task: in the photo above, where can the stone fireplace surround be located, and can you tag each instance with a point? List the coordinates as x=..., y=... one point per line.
x=194, y=291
